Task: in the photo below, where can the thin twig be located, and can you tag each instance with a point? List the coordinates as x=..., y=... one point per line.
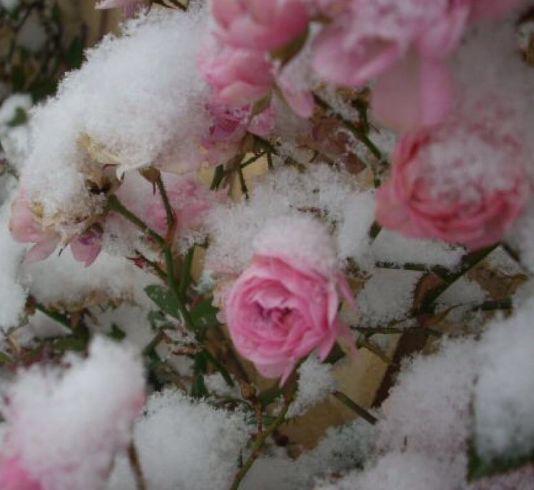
x=133, y=457
x=360, y=411
x=258, y=445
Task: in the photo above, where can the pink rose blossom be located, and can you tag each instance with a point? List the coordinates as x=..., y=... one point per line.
x=237, y=76
x=285, y=304
x=260, y=24
x=25, y=228
x=14, y=477
x=463, y=183
x=407, y=43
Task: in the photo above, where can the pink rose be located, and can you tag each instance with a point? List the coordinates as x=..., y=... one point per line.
x=404, y=45
x=237, y=76
x=285, y=305
x=260, y=24
x=25, y=228
x=14, y=477
x=463, y=183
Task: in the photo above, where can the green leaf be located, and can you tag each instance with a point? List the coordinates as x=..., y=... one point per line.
x=164, y=299
x=74, y=54
x=5, y=359
x=479, y=467
x=116, y=333
x=20, y=118
x=198, y=388
x=204, y=315
x=224, y=372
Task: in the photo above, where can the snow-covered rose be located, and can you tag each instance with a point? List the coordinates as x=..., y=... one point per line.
x=467, y=191
x=285, y=304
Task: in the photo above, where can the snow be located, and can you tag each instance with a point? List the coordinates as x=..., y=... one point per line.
x=186, y=445
x=316, y=382
x=319, y=191
x=504, y=395
x=66, y=425
x=12, y=293
x=387, y=296
x=342, y=448
x=159, y=119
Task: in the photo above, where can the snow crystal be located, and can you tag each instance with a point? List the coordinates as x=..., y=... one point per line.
x=14, y=132
x=504, y=397
x=12, y=293
x=464, y=291
x=428, y=408
x=316, y=381
x=159, y=119
x=108, y=279
x=393, y=247
x=187, y=445
x=301, y=238
x=67, y=427
x=399, y=471
x=319, y=191
x=387, y=296
x=341, y=449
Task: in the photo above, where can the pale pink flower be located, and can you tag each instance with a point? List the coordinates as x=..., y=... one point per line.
x=129, y=7
x=237, y=76
x=14, y=477
x=260, y=24
x=463, y=183
x=407, y=42
x=285, y=304
x=86, y=247
x=26, y=228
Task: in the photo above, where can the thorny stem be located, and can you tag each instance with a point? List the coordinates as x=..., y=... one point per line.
x=133, y=457
x=242, y=183
x=258, y=444
x=360, y=411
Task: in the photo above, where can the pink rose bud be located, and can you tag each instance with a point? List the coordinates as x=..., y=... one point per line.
x=462, y=183
x=237, y=76
x=260, y=24
x=285, y=305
